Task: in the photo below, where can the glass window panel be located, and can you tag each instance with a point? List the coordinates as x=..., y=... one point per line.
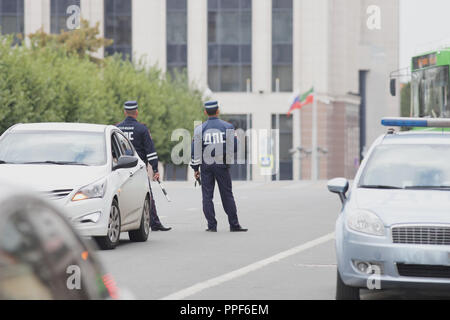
x=118, y=26
x=282, y=27
x=123, y=31
x=213, y=54
x=229, y=4
x=176, y=27
x=109, y=6
x=212, y=27
x=228, y=30
x=176, y=35
x=11, y=16
x=9, y=24
x=58, y=14
x=246, y=54
x=123, y=7
x=177, y=54
x=284, y=74
x=246, y=28
x=282, y=49
x=176, y=4
x=229, y=54
x=229, y=45
x=9, y=6
x=282, y=4
x=21, y=24
x=212, y=4
x=246, y=4
x=246, y=72
x=110, y=24
x=282, y=54
x=213, y=78
x=230, y=78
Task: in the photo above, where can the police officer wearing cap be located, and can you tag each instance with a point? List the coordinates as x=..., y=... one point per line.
x=213, y=149
x=142, y=141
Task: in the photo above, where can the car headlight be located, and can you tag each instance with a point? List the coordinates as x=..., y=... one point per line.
x=94, y=190
x=365, y=222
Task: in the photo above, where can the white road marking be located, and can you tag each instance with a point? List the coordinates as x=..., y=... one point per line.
x=243, y=271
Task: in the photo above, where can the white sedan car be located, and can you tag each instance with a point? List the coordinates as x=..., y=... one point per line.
x=91, y=171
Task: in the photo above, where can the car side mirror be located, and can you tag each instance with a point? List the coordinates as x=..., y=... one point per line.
x=125, y=162
x=393, y=88
x=339, y=186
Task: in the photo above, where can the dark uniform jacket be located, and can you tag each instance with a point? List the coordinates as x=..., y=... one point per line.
x=141, y=139
x=220, y=139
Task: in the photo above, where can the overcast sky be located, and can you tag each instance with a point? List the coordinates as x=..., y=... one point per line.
x=423, y=25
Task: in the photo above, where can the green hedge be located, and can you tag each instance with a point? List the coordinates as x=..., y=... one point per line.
x=50, y=84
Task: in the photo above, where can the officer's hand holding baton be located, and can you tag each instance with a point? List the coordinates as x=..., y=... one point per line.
x=197, y=178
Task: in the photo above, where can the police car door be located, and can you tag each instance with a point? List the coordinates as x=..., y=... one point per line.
x=132, y=195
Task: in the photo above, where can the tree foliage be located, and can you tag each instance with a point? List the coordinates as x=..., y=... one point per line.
x=55, y=80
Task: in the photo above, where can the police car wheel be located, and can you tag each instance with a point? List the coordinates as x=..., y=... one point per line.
x=141, y=235
x=111, y=240
x=344, y=292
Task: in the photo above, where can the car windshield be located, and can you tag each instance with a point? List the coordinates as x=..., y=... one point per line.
x=53, y=147
x=408, y=167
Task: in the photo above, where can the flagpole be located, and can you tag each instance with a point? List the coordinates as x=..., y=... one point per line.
x=314, y=159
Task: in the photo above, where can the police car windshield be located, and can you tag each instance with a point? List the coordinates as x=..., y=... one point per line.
x=54, y=148
x=408, y=167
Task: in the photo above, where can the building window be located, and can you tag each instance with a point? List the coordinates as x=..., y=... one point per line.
x=285, y=126
x=118, y=27
x=59, y=15
x=229, y=45
x=282, y=49
x=176, y=35
x=11, y=16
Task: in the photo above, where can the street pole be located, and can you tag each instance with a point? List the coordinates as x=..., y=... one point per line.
x=314, y=159
x=299, y=120
x=277, y=150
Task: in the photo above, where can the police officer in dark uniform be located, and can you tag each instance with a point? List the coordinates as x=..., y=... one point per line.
x=213, y=148
x=140, y=137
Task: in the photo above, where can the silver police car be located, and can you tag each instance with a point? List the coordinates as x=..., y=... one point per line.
x=394, y=228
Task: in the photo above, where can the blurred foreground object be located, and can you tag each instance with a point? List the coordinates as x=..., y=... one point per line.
x=41, y=256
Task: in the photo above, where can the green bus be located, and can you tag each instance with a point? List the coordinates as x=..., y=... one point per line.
x=430, y=85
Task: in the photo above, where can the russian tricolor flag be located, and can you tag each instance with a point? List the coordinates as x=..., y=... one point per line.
x=302, y=100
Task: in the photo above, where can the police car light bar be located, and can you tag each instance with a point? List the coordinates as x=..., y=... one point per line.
x=416, y=122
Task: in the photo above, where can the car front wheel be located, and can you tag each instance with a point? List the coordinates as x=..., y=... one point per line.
x=111, y=240
x=141, y=234
x=344, y=292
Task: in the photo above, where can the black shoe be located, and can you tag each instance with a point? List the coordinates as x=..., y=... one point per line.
x=211, y=230
x=161, y=228
x=238, y=229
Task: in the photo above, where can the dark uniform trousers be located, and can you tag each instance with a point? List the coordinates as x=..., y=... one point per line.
x=154, y=219
x=220, y=173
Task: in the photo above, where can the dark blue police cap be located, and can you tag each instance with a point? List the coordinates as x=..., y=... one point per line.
x=131, y=105
x=210, y=105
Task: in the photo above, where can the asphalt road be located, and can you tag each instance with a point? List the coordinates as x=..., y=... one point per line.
x=287, y=254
